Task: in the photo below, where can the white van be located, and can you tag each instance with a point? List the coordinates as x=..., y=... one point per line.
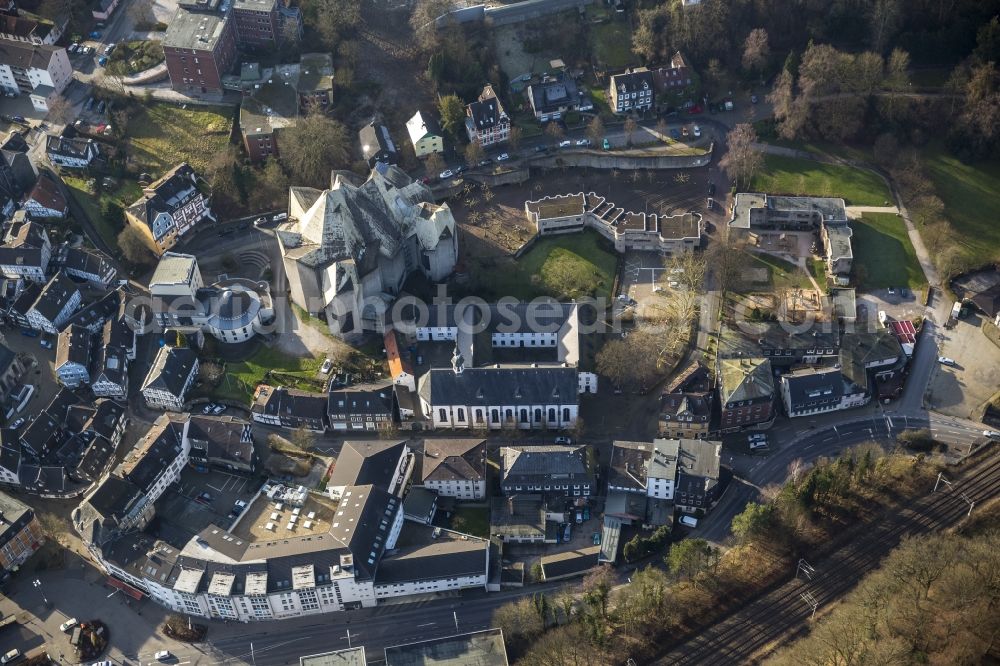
x=689, y=521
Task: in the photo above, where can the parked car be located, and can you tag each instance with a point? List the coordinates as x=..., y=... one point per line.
x=460, y=170
x=96, y=34
x=759, y=446
x=503, y=157
x=579, y=517
x=102, y=61
x=684, y=131
x=565, y=144
x=102, y=106
x=446, y=174
x=485, y=162
x=757, y=437
x=992, y=434
x=562, y=439
x=697, y=131
x=675, y=134
x=218, y=409
x=207, y=409
x=89, y=104
x=68, y=624
x=586, y=513
x=944, y=360
x=696, y=109
x=568, y=533
x=14, y=426
x=19, y=119
x=205, y=497
x=73, y=47
x=711, y=189
x=583, y=142
x=279, y=217
x=710, y=203
x=46, y=344
x=689, y=521
x=541, y=149
x=606, y=145
x=10, y=657
x=162, y=655
x=327, y=367
x=109, y=48
x=259, y=221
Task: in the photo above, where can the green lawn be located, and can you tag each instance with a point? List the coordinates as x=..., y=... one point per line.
x=971, y=196
x=818, y=269
x=163, y=135
x=125, y=194
x=782, y=274
x=472, y=520
x=883, y=254
x=293, y=372
x=790, y=175
x=557, y=265
x=611, y=42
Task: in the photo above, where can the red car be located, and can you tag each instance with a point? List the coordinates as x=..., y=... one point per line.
x=696, y=109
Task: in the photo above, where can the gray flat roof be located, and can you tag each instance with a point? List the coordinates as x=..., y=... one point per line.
x=349, y=657
x=482, y=648
x=194, y=30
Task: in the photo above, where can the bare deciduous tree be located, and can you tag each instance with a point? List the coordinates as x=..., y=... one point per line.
x=474, y=154
x=742, y=158
x=630, y=128
x=756, y=50
x=313, y=147
x=595, y=130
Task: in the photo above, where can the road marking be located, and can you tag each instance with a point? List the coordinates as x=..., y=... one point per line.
x=429, y=624
x=218, y=490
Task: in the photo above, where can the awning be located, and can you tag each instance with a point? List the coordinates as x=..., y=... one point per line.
x=133, y=592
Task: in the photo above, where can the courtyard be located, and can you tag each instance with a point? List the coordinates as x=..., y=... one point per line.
x=964, y=389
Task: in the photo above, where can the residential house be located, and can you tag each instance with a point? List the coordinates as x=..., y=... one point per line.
x=169, y=208
x=103, y=9
x=21, y=534
x=645, y=468
x=73, y=352
x=746, y=392
x=18, y=172
x=555, y=96
x=223, y=442
x=569, y=563
x=46, y=200
x=425, y=134
x=289, y=408
x=400, y=364
x=26, y=252
x=88, y=265
x=232, y=310
x=455, y=468
x=12, y=369
x=56, y=302
x=632, y=91
x=21, y=297
x=348, y=250
x=562, y=470
x=377, y=145
x=40, y=71
x=698, y=464
x=10, y=458
x=27, y=27
x=109, y=369
x=93, y=316
x=486, y=121
x=362, y=407
x=199, y=47
x=876, y=362
x=784, y=343
x=173, y=372
x=673, y=78
x=686, y=404
x=70, y=151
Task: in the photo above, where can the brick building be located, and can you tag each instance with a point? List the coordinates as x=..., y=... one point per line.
x=199, y=48
x=20, y=533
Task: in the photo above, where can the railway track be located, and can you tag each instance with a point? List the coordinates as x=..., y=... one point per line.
x=746, y=634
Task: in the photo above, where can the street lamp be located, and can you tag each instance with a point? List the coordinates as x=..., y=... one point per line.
x=38, y=584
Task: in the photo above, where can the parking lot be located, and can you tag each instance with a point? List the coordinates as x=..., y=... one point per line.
x=203, y=498
x=963, y=389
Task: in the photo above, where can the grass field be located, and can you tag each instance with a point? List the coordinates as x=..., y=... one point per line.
x=163, y=135
x=971, y=196
x=126, y=194
x=782, y=274
x=555, y=265
x=472, y=520
x=883, y=254
x=790, y=175
x=293, y=372
x=611, y=42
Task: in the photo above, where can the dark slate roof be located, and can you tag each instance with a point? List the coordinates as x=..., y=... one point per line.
x=807, y=385
x=95, y=459
x=92, y=316
x=292, y=403
x=447, y=556
x=486, y=111
x=157, y=449
x=54, y=296
x=73, y=346
x=113, y=497
x=500, y=386
x=375, y=139
x=571, y=562
x=533, y=464
x=171, y=369
x=89, y=262
x=10, y=455
x=363, y=463
x=454, y=459
x=26, y=298
x=633, y=81
x=375, y=399
x=165, y=195
x=553, y=93
x=110, y=362
x=75, y=148
x=43, y=433
x=25, y=55
x=43, y=478
x=362, y=523
x=224, y=438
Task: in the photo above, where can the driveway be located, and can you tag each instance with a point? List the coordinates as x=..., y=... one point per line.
x=964, y=389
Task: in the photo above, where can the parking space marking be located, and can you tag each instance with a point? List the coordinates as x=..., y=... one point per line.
x=218, y=490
